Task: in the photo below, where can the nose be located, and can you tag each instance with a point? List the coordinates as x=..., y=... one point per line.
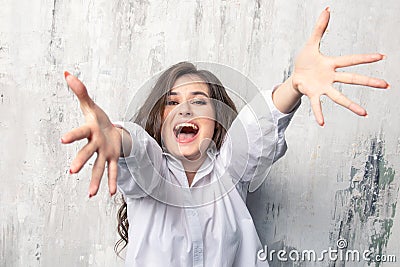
x=185, y=109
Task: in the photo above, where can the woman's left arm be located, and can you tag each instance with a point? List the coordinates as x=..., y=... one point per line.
x=314, y=75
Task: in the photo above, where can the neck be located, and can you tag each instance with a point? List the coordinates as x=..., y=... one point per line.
x=190, y=177
x=191, y=167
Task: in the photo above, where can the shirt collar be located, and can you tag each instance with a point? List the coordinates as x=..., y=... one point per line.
x=176, y=165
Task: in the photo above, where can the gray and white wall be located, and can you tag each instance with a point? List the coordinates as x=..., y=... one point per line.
x=340, y=181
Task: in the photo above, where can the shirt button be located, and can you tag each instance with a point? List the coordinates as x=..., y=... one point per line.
x=191, y=212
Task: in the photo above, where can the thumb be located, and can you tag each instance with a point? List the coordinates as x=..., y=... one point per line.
x=79, y=89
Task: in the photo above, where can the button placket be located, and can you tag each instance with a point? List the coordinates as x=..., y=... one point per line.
x=195, y=230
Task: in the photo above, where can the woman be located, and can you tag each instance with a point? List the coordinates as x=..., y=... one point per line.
x=184, y=231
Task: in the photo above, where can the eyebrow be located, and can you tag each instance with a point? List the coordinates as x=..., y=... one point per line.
x=192, y=93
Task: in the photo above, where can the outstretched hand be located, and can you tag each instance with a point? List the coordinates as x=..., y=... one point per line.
x=102, y=136
x=315, y=73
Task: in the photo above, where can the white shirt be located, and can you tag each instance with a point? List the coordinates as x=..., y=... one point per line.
x=208, y=223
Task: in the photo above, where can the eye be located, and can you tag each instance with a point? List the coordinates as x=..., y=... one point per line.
x=198, y=101
x=172, y=103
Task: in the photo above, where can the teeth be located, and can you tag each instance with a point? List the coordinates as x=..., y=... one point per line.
x=185, y=124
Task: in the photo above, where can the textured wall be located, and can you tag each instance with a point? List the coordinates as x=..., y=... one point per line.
x=339, y=181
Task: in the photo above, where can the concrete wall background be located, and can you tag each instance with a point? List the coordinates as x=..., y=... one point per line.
x=339, y=181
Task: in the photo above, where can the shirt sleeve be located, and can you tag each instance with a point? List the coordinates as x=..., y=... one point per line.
x=255, y=140
x=281, y=121
x=140, y=173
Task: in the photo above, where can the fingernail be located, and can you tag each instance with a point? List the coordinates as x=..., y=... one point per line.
x=70, y=171
x=366, y=115
x=61, y=140
x=66, y=74
x=377, y=56
x=388, y=86
x=322, y=125
x=328, y=9
x=383, y=56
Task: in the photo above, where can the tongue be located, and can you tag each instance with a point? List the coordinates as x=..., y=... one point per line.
x=184, y=136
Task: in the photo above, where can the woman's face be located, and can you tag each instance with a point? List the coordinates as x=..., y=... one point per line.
x=188, y=119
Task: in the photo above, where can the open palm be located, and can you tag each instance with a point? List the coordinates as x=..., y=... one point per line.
x=315, y=73
x=103, y=138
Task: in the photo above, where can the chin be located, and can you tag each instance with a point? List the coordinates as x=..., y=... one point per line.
x=187, y=154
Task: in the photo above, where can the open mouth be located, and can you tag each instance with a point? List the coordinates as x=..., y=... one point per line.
x=186, y=132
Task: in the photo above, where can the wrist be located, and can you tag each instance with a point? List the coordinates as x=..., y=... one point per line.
x=293, y=87
x=286, y=97
x=124, y=141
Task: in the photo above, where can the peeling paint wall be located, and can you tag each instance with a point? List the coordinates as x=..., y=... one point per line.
x=341, y=181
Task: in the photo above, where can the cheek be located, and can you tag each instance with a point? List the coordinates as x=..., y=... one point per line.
x=165, y=114
x=167, y=117
x=209, y=127
x=164, y=124
x=211, y=123
x=208, y=112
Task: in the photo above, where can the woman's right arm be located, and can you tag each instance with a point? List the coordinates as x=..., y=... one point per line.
x=103, y=138
x=126, y=143
x=140, y=167
x=133, y=157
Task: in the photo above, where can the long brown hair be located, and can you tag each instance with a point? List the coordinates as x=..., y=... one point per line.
x=150, y=114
